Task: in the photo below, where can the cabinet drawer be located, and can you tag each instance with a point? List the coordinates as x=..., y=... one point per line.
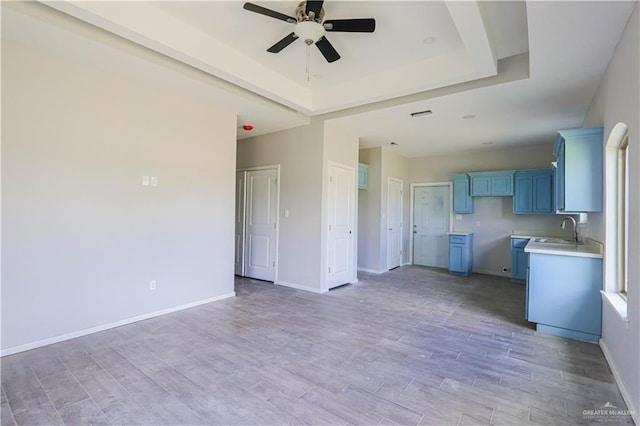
x=457, y=239
x=519, y=242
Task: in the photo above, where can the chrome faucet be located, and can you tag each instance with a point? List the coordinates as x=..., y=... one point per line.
x=575, y=226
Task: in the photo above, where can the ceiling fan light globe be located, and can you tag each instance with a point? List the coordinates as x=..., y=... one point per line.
x=309, y=31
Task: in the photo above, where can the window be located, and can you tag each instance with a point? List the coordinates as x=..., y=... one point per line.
x=617, y=219
x=622, y=216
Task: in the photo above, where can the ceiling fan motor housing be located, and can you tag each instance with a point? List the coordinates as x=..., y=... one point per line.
x=301, y=13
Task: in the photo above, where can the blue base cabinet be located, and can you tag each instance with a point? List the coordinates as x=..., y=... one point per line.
x=533, y=192
x=519, y=260
x=462, y=201
x=461, y=254
x=563, y=295
x=579, y=170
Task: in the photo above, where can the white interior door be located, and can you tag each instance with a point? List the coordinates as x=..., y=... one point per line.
x=261, y=223
x=394, y=220
x=341, y=204
x=240, y=222
x=430, y=225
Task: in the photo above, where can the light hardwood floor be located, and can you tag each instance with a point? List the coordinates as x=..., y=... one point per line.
x=411, y=346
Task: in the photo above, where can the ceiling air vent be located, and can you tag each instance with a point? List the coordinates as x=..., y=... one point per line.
x=421, y=113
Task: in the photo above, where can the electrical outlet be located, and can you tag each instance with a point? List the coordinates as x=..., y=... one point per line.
x=152, y=285
x=154, y=180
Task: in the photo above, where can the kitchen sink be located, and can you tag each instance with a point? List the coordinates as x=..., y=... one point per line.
x=551, y=240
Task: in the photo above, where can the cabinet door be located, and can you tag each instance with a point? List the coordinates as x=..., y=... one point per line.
x=564, y=292
x=363, y=175
x=462, y=201
x=542, y=196
x=502, y=185
x=523, y=193
x=480, y=185
x=519, y=260
x=559, y=179
x=456, y=258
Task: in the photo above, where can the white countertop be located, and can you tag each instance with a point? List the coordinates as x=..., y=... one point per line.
x=590, y=248
x=533, y=234
x=459, y=233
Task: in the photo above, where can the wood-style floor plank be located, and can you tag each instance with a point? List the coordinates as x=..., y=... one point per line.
x=411, y=346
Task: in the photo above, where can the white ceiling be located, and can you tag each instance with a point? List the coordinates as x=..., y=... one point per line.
x=523, y=69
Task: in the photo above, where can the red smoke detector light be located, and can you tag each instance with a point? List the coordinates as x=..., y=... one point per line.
x=248, y=127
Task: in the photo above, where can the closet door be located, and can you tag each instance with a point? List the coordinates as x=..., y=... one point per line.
x=261, y=224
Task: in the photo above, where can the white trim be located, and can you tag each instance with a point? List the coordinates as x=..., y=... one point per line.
x=411, y=197
x=324, y=238
x=300, y=287
x=373, y=271
x=277, y=248
x=98, y=328
x=618, y=303
x=623, y=390
x=401, y=182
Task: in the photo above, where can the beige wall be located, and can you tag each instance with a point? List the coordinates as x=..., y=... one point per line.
x=340, y=147
x=493, y=220
x=299, y=153
x=618, y=100
x=369, y=213
x=394, y=166
x=383, y=163
x=303, y=154
x=82, y=237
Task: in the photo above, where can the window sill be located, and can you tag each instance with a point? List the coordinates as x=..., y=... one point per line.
x=618, y=303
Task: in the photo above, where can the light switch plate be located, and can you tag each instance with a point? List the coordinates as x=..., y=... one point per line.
x=145, y=180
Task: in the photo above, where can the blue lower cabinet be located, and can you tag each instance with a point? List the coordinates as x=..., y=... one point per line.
x=519, y=260
x=461, y=254
x=564, y=295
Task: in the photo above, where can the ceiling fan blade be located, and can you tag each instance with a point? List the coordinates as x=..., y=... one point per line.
x=327, y=50
x=364, y=25
x=268, y=12
x=313, y=6
x=283, y=43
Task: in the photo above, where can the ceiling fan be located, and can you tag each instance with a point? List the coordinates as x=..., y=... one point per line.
x=310, y=27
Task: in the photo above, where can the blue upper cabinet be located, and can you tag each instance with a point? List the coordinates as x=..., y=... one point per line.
x=579, y=170
x=496, y=184
x=462, y=201
x=533, y=192
x=363, y=175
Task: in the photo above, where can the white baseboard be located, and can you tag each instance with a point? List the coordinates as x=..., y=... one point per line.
x=373, y=271
x=299, y=287
x=98, y=328
x=623, y=390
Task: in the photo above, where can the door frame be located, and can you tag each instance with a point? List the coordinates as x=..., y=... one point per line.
x=401, y=182
x=324, y=280
x=415, y=185
x=276, y=258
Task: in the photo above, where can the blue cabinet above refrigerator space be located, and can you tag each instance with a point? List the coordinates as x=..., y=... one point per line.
x=579, y=170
